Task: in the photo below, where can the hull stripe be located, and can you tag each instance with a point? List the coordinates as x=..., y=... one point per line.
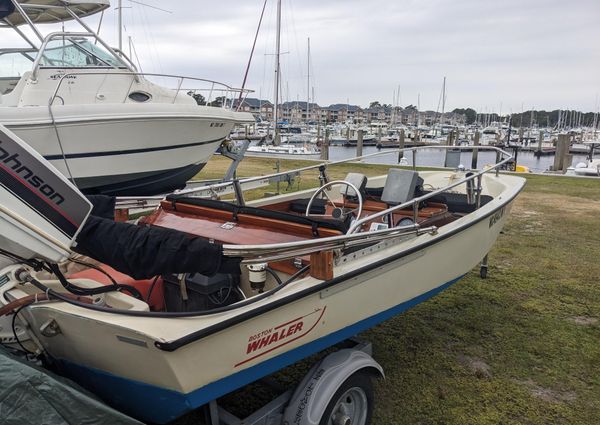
x=129, y=151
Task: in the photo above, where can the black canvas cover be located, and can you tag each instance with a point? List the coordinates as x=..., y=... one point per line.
x=143, y=252
x=33, y=396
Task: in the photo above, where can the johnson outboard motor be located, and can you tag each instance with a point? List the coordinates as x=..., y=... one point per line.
x=41, y=212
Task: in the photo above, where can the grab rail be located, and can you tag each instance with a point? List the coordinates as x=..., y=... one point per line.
x=275, y=252
x=297, y=171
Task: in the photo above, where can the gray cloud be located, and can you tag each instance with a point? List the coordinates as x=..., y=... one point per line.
x=541, y=53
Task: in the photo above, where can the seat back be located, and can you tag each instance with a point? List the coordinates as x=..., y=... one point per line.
x=357, y=179
x=400, y=186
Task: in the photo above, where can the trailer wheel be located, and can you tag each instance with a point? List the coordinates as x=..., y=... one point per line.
x=352, y=403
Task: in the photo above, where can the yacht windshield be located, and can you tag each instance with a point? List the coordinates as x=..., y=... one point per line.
x=78, y=53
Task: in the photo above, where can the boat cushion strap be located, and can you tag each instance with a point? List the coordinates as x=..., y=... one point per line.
x=314, y=223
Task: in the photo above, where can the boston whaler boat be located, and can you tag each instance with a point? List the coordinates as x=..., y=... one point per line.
x=223, y=293
x=84, y=106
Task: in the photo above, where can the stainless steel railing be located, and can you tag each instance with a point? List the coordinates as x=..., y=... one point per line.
x=230, y=93
x=279, y=251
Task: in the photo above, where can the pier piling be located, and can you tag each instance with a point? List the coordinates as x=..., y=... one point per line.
x=401, y=144
x=359, y=143
x=476, y=138
x=562, y=159
x=325, y=146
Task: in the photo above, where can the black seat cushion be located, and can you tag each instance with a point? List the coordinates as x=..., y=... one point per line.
x=456, y=202
x=299, y=206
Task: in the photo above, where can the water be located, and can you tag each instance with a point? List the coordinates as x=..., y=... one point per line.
x=435, y=157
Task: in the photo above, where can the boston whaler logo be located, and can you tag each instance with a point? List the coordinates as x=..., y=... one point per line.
x=274, y=337
x=12, y=161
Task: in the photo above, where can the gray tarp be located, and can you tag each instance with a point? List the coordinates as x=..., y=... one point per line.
x=33, y=396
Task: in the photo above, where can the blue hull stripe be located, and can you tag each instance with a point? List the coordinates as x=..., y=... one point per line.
x=160, y=405
x=129, y=151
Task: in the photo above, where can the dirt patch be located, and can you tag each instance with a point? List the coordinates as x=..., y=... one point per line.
x=566, y=204
x=547, y=394
x=583, y=320
x=480, y=368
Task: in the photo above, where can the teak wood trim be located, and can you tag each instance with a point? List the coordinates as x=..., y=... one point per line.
x=321, y=265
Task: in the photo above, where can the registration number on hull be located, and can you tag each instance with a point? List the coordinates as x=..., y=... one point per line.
x=495, y=218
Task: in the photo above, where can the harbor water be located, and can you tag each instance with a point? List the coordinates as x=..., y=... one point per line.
x=435, y=157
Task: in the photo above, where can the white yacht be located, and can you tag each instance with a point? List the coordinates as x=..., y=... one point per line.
x=85, y=107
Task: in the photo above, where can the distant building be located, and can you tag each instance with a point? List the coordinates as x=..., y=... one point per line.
x=378, y=113
x=342, y=112
x=297, y=111
x=257, y=107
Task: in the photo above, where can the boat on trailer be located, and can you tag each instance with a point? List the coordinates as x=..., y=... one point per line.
x=304, y=270
x=87, y=109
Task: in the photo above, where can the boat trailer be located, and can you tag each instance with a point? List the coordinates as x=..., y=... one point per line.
x=336, y=390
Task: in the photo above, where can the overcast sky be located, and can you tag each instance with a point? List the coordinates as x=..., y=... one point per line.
x=495, y=54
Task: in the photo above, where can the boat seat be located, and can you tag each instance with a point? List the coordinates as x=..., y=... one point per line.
x=156, y=299
x=456, y=202
x=314, y=223
x=400, y=186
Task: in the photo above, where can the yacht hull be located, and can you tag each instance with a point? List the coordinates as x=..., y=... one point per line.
x=124, y=149
x=159, y=368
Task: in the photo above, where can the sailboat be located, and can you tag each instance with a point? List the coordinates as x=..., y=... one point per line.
x=85, y=107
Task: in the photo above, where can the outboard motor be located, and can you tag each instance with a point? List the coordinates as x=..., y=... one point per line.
x=41, y=212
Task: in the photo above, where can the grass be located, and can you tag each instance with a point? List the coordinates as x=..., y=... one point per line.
x=520, y=347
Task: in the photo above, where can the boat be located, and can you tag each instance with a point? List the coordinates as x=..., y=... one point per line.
x=286, y=149
x=588, y=168
x=85, y=107
x=204, y=296
x=591, y=167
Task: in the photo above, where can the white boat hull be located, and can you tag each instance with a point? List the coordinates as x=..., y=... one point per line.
x=124, y=148
x=159, y=368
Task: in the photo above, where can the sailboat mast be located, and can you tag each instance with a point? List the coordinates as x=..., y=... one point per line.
x=308, y=84
x=277, y=72
x=443, y=101
x=418, y=110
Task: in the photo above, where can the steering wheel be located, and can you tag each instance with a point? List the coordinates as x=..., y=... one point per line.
x=337, y=211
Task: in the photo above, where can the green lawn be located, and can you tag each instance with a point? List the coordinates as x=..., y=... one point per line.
x=522, y=346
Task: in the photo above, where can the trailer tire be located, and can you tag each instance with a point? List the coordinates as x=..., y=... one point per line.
x=352, y=403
